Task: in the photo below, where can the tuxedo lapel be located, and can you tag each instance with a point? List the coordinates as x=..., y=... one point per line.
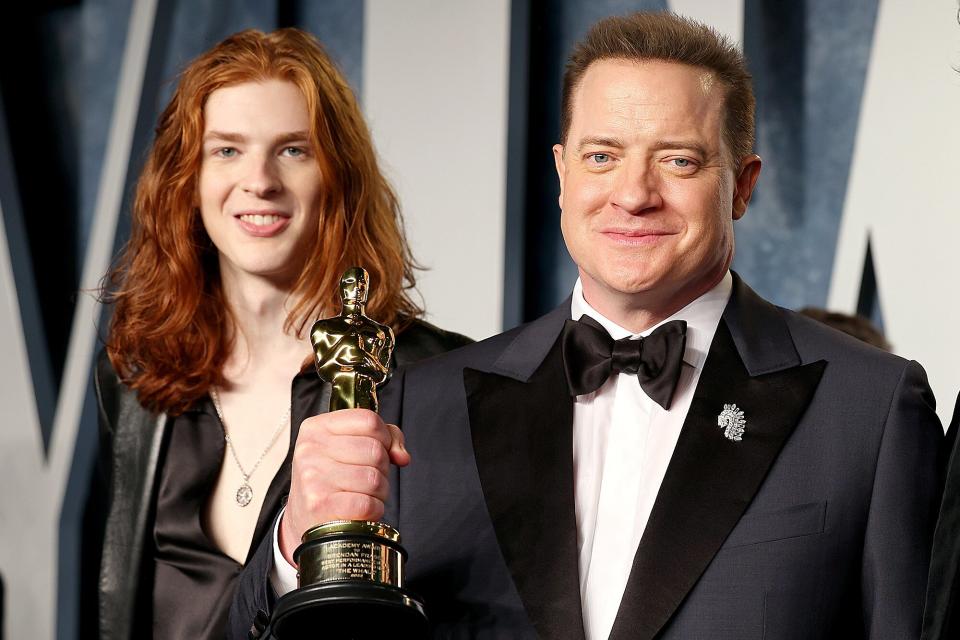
x=711, y=479
x=521, y=420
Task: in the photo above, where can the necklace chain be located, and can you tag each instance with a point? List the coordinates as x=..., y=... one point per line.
x=245, y=492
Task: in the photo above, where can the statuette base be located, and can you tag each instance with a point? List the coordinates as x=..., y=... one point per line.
x=357, y=610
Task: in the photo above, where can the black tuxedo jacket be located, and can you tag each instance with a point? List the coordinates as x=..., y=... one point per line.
x=816, y=525
x=941, y=619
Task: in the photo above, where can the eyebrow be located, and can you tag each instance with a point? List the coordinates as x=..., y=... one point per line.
x=228, y=136
x=660, y=145
x=599, y=141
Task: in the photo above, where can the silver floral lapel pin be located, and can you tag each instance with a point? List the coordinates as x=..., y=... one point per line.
x=732, y=422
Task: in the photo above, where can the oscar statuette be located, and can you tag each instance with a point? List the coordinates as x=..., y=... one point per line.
x=350, y=572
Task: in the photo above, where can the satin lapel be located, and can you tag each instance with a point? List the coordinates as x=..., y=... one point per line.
x=522, y=438
x=711, y=480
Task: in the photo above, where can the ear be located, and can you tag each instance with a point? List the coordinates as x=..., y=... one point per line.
x=746, y=180
x=561, y=169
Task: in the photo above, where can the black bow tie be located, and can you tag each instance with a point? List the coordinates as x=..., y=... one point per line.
x=590, y=355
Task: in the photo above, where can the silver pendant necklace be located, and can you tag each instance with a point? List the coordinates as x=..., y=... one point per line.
x=244, y=494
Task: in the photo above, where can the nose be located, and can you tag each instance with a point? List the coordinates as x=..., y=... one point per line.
x=261, y=176
x=636, y=190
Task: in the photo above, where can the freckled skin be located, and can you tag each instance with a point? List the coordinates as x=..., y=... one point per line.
x=648, y=192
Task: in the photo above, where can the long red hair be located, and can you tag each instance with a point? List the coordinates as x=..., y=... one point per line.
x=170, y=331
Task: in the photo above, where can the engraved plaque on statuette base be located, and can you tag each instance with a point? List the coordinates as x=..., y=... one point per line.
x=351, y=586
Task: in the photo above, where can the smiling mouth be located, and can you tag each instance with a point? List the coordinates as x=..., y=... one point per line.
x=635, y=237
x=260, y=220
x=262, y=225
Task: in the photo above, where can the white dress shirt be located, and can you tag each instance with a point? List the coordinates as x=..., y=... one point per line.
x=622, y=444
x=283, y=576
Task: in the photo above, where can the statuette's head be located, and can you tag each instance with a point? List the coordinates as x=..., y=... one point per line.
x=353, y=285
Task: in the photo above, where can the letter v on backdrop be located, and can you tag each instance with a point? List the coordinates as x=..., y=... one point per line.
x=38, y=526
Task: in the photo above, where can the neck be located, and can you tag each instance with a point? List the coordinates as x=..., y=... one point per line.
x=640, y=311
x=353, y=308
x=260, y=310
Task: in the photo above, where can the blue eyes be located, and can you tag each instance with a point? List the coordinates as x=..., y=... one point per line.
x=604, y=159
x=232, y=152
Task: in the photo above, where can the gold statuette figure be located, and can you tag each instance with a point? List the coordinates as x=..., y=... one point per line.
x=352, y=351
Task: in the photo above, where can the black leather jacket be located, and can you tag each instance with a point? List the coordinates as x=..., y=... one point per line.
x=130, y=440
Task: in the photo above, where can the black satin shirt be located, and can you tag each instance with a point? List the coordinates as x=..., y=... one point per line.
x=193, y=581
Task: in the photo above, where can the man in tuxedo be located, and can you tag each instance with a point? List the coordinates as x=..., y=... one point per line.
x=666, y=454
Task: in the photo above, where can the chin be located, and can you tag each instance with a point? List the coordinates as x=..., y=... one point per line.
x=639, y=279
x=271, y=270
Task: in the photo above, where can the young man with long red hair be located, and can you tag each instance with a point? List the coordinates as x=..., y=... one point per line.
x=261, y=187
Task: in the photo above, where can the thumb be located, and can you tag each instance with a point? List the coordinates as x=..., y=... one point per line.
x=398, y=453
